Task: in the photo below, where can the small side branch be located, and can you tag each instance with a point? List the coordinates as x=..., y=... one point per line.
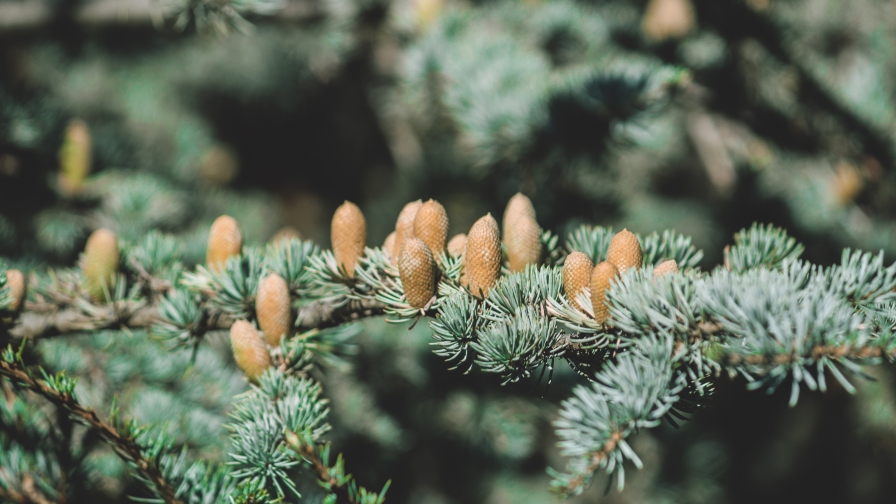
x=126, y=446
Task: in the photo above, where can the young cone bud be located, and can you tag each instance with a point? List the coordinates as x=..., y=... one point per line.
x=624, y=251
x=348, y=234
x=601, y=279
x=482, y=256
x=100, y=262
x=225, y=240
x=665, y=267
x=249, y=350
x=577, y=269
x=431, y=226
x=457, y=244
x=15, y=280
x=417, y=270
x=272, y=306
x=665, y=19
x=404, y=226
x=75, y=157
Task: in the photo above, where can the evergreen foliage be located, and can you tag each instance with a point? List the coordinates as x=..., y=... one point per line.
x=126, y=386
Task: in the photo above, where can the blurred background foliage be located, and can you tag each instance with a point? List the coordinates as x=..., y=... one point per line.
x=697, y=115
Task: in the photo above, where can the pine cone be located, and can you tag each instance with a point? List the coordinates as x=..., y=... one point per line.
x=100, y=262
x=665, y=19
x=482, y=256
x=665, y=267
x=601, y=279
x=389, y=244
x=577, y=269
x=431, y=226
x=518, y=206
x=15, y=280
x=625, y=251
x=522, y=234
x=456, y=244
x=272, y=305
x=348, y=234
x=404, y=226
x=286, y=233
x=417, y=270
x=249, y=350
x=225, y=240
x=75, y=157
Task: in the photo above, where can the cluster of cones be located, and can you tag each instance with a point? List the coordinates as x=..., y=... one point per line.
x=420, y=241
x=580, y=273
x=273, y=307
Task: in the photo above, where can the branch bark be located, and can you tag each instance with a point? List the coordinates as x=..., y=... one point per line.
x=43, y=321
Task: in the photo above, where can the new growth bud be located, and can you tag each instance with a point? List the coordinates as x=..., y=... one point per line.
x=482, y=256
x=522, y=234
x=417, y=270
x=431, y=226
x=225, y=240
x=348, y=234
x=601, y=279
x=249, y=350
x=577, y=269
x=624, y=251
x=100, y=262
x=15, y=280
x=272, y=305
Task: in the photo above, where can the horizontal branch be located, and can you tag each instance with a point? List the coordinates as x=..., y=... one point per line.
x=41, y=321
x=830, y=351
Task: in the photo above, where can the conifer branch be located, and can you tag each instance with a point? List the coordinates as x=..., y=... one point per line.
x=59, y=390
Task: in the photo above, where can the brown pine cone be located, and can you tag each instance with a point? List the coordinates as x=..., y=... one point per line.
x=482, y=256
x=249, y=350
x=577, y=269
x=15, y=280
x=625, y=251
x=225, y=240
x=601, y=279
x=99, y=263
x=273, y=308
x=431, y=226
x=665, y=267
x=417, y=270
x=404, y=225
x=456, y=244
x=348, y=234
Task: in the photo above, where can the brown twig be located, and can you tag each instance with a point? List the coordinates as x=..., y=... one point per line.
x=322, y=471
x=830, y=351
x=597, y=458
x=126, y=446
